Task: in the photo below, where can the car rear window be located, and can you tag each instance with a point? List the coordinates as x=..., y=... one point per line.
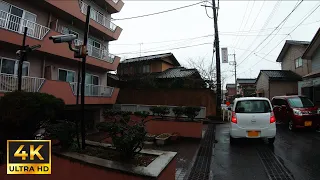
x=300, y=102
x=253, y=106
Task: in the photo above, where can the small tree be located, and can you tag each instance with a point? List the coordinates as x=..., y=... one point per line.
x=160, y=111
x=192, y=112
x=178, y=111
x=127, y=135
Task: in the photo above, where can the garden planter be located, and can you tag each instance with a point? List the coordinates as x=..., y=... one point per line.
x=162, y=139
x=150, y=137
x=174, y=137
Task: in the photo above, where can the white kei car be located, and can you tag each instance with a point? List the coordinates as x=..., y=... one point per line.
x=252, y=117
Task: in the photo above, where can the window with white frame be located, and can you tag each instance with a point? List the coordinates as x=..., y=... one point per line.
x=17, y=18
x=10, y=66
x=66, y=75
x=92, y=79
x=299, y=62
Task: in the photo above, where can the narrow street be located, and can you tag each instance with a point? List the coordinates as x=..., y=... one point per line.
x=295, y=155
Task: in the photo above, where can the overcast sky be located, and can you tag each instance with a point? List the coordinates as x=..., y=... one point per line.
x=235, y=20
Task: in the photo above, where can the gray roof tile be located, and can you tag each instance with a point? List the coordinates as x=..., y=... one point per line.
x=176, y=72
x=284, y=75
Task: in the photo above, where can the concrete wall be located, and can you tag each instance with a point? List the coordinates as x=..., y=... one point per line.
x=288, y=62
x=170, y=97
x=263, y=84
x=279, y=88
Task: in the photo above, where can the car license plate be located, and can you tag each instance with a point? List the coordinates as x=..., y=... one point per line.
x=253, y=133
x=308, y=123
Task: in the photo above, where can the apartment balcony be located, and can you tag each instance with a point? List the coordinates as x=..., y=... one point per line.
x=11, y=34
x=16, y=24
x=9, y=83
x=99, y=53
x=113, y=6
x=94, y=94
x=75, y=11
x=92, y=90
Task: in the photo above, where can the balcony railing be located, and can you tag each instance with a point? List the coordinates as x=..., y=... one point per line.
x=93, y=90
x=97, y=52
x=98, y=17
x=9, y=82
x=16, y=24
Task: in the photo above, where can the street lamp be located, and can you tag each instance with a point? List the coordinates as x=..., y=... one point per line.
x=23, y=56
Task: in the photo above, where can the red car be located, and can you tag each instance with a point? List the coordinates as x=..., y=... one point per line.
x=296, y=111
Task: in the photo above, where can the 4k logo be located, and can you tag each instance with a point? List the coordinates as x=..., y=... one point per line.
x=28, y=157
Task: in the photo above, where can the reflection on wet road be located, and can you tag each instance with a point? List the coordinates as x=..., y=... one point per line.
x=295, y=155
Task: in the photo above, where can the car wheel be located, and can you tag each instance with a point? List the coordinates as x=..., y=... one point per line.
x=291, y=126
x=271, y=140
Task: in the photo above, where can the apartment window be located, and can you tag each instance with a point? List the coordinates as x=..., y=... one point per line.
x=10, y=66
x=15, y=15
x=146, y=69
x=299, y=62
x=66, y=75
x=92, y=79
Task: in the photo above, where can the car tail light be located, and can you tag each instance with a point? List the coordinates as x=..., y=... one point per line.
x=272, y=118
x=234, y=118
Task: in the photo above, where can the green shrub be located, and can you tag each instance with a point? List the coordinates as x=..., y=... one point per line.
x=127, y=136
x=142, y=114
x=191, y=112
x=22, y=114
x=160, y=111
x=178, y=111
x=64, y=131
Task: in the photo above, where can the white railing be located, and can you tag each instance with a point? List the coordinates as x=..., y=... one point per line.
x=9, y=82
x=139, y=107
x=98, y=17
x=97, y=52
x=16, y=24
x=93, y=90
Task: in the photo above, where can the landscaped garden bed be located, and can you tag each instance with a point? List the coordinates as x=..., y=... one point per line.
x=114, y=155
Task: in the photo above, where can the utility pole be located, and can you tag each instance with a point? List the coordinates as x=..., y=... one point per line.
x=217, y=49
x=77, y=104
x=23, y=54
x=83, y=75
x=22, y=58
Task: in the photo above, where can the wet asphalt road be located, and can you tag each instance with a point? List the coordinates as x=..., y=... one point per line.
x=295, y=155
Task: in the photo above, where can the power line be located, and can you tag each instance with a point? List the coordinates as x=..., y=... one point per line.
x=166, y=49
x=289, y=33
x=161, y=12
x=253, y=22
x=243, y=17
x=275, y=8
x=274, y=30
x=246, y=21
x=210, y=35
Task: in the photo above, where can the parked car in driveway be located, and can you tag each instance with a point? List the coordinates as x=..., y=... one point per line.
x=296, y=111
x=252, y=117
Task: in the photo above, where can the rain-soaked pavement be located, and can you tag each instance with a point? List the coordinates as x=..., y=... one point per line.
x=295, y=155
